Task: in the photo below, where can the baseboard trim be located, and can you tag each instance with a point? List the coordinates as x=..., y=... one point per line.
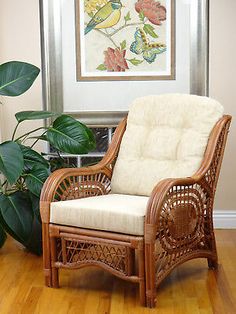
x=224, y=219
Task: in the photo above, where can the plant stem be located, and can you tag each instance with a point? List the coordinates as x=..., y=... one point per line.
x=1, y=189
x=2, y=184
x=28, y=133
x=13, y=135
x=37, y=139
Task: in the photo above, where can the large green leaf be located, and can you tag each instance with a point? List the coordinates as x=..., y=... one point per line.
x=16, y=77
x=34, y=243
x=31, y=158
x=59, y=163
x=11, y=161
x=8, y=229
x=17, y=215
x=35, y=205
x=3, y=236
x=34, y=115
x=35, y=178
x=70, y=136
x=35, y=240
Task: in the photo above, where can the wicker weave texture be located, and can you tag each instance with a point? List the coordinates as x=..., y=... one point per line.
x=178, y=221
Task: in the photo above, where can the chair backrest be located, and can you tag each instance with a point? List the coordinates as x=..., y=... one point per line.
x=166, y=137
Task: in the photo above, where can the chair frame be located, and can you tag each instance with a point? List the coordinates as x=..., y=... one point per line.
x=178, y=222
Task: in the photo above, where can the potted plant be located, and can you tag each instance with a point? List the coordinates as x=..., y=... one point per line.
x=23, y=170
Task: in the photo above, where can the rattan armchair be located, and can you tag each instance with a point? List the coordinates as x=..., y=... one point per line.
x=178, y=224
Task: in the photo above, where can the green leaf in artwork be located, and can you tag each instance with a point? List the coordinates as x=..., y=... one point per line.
x=101, y=67
x=123, y=45
x=135, y=61
x=127, y=17
x=141, y=16
x=149, y=29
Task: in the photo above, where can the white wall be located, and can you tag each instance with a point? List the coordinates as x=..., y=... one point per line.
x=223, y=88
x=20, y=40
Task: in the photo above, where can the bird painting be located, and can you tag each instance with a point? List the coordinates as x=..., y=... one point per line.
x=107, y=16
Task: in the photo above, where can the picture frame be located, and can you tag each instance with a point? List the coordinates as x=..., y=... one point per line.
x=139, y=46
x=104, y=103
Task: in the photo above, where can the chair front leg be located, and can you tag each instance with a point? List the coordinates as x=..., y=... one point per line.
x=150, y=276
x=46, y=255
x=55, y=278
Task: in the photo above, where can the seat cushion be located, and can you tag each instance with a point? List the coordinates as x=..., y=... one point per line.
x=112, y=212
x=166, y=137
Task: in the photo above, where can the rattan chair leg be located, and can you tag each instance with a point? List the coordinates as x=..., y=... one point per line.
x=47, y=277
x=210, y=239
x=141, y=274
x=212, y=263
x=150, y=276
x=46, y=256
x=55, y=278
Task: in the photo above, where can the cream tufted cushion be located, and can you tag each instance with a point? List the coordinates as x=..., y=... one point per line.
x=118, y=213
x=166, y=137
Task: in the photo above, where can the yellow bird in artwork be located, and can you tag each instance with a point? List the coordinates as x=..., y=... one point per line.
x=107, y=16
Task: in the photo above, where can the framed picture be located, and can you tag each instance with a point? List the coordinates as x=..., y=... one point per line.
x=125, y=40
x=161, y=53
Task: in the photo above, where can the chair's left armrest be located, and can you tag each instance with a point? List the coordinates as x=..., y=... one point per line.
x=73, y=183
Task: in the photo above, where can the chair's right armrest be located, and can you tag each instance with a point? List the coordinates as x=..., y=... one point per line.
x=173, y=194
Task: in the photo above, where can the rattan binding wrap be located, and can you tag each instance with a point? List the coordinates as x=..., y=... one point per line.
x=178, y=223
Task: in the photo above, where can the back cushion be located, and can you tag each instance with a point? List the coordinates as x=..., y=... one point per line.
x=166, y=137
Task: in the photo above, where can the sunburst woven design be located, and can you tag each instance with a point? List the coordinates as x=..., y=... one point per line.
x=74, y=187
x=185, y=223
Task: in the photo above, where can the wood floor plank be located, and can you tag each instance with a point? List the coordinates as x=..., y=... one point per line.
x=191, y=288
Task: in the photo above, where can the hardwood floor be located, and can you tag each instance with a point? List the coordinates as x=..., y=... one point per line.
x=191, y=288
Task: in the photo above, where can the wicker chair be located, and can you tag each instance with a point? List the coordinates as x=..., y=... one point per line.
x=147, y=206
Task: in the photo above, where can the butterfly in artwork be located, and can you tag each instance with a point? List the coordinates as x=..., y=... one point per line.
x=141, y=45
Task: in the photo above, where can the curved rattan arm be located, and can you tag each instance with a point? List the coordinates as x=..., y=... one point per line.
x=195, y=190
x=178, y=223
x=72, y=183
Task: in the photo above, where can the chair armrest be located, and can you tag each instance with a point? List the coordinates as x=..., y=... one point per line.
x=167, y=190
x=183, y=194
x=74, y=183
x=58, y=184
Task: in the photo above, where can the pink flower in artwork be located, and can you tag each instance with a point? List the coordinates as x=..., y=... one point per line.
x=153, y=10
x=115, y=60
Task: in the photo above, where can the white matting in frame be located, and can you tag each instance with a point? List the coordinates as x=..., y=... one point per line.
x=105, y=102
